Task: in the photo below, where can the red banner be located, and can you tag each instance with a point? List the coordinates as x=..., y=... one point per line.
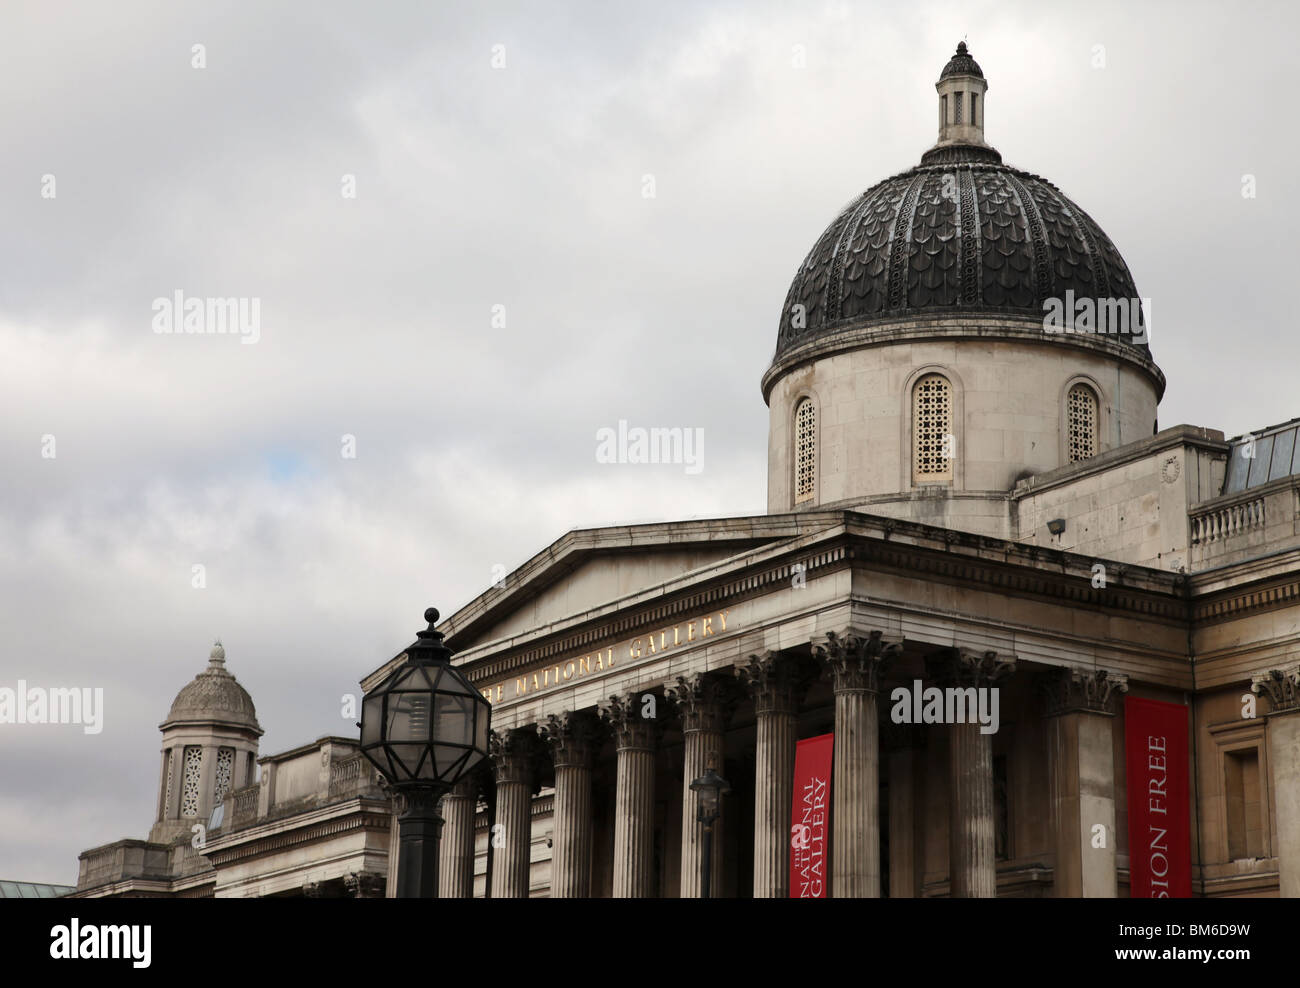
x=810, y=816
x=1159, y=807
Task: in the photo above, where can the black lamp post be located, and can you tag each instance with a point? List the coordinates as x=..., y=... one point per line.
x=711, y=787
x=424, y=728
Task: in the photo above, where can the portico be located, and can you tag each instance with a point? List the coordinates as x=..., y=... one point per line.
x=948, y=809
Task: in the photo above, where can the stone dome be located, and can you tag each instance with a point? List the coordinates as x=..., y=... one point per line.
x=961, y=63
x=214, y=696
x=961, y=234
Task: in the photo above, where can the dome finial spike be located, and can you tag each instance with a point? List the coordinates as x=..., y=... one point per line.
x=217, y=656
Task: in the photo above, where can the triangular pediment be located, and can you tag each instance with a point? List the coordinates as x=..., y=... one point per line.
x=590, y=569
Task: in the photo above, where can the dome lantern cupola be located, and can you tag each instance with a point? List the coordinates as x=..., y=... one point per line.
x=961, y=89
x=958, y=327
x=209, y=749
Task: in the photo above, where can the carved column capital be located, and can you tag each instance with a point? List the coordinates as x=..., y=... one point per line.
x=467, y=787
x=514, y=755
x=1064, y=691
x=775, y=681
x=572, y=737
x=365, y=884
x=1281, y=686
x=856, y=662
x=965, y=667
x=632, y=720
x=704, y=701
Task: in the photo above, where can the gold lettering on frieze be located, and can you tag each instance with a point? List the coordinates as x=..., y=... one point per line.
x=602, y=661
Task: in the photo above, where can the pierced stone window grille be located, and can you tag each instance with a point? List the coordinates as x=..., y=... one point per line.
x=805, y=451
x=167, y=789
x=932, y=439
x=1081, y=423
x=225, y=772
x=957, y=104
x=190, y=790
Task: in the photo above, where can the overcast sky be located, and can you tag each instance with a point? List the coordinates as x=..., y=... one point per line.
x=518, y=186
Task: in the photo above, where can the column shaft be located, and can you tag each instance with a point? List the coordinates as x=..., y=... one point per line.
x=511, y=865
x=773, y=795
x=634, y=823
x=1081, y=778
x=971, y=849
x=456, y=865
x=857, y=664
x=855, y=793
x=703, y=748
x=1284, y=760
x=631, y=719
x=514, y=755
x=571, y=865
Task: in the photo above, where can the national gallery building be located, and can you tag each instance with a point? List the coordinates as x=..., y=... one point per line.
x=1055, y=646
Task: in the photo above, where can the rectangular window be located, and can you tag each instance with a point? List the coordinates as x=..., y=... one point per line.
x=1242, y=798
x=974, y=122
x=957, y=103
x=943, y=111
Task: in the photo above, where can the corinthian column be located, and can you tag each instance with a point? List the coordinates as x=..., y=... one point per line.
x=634, y=793
x=1282, y=686
x=704, y=703
x=1078, y=705
x=856, y=664
x=772, y=681
x=972, y=851
x=515, y=759
x=456, y=864
x=572, y=738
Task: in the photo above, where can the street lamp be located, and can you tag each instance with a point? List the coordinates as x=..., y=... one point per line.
x=424, y=728
x=710, y=787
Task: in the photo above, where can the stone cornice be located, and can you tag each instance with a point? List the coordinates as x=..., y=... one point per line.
x=983, y=326
x=357, y=814
x=919, y=550
x=1234, y=602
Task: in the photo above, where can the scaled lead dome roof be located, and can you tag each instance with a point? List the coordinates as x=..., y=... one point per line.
x=961, y=233
x=214, y=696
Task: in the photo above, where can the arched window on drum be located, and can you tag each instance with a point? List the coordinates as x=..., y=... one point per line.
x=805, y=452
x=933, y=443
x=1081, y=423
